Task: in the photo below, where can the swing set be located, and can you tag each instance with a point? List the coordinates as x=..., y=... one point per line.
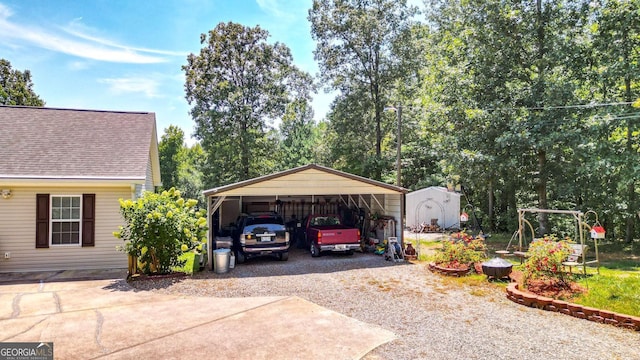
x=580, y=248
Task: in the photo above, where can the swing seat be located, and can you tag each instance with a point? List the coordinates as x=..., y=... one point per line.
x=577, y=252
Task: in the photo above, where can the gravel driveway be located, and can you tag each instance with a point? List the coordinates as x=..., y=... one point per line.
x=433, y=317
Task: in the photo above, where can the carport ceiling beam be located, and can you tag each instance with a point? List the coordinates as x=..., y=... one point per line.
x=345, y=202
x=365, y=203
x=216, y=204
x=348, y=203
x=376, y=200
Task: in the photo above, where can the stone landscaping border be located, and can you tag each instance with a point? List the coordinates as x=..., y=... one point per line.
x=448, y=271
x=575, y=310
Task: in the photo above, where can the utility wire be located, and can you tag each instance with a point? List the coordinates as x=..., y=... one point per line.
x=559, y=107
x=579, y=106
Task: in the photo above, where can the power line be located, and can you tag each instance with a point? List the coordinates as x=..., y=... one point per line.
x=579, y=106
x=537, y=108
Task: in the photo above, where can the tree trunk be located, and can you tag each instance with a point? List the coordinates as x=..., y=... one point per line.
x=375, y=95
x=491, y=205
x=378, y=171
x=513, y=205
x=631, y=188
x=244, y=153
x=543, y=219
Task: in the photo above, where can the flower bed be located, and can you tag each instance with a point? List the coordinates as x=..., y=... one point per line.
x=459, y=255
x=451, y=271
x=583, y=312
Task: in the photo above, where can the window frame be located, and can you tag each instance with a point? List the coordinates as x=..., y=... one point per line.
x=79, y=220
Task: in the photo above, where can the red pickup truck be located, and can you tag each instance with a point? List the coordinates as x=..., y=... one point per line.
x=327, y=233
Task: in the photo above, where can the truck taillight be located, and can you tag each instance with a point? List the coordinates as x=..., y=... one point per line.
x=358, y=234
x=242, y=239
x=286, y=236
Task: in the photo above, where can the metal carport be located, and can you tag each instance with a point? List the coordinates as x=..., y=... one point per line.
x=309, y=184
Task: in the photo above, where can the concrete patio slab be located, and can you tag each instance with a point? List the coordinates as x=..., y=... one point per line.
x=107, y=319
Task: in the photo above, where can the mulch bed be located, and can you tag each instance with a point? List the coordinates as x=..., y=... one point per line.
x=549, y=288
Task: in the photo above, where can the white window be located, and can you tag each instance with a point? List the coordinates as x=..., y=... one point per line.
x=66, y=212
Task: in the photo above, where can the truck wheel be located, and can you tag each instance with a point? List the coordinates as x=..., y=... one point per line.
x=284, y=256
x=315, y=251
x=240, y=258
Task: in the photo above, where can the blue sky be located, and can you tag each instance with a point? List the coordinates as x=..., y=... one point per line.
x=127, y=54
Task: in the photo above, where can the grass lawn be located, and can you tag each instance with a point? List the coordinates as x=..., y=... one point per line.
x=190, y=266
x=613, y=289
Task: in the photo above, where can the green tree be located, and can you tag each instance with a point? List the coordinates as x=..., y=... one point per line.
x=356, y=53
x=172, y=152
x=237, y=85
x=297, y=143
x=350, y=137
x=159, y=228
x=190, y=176
x=181, y=166
x=16, y=87
x=617, y=39
x=508, y=70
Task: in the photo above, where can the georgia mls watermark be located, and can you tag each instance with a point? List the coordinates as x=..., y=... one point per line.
x=26, y=351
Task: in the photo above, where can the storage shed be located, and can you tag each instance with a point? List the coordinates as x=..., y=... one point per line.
x=298, y=192
x=431, y=205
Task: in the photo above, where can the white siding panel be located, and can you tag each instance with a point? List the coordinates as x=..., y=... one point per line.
x=148, y=182
x=17, y=233
x=392, y=204
x=433, y=203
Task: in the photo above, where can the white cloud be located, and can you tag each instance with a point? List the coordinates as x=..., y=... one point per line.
x=79, y=30
x=119, y=86
x=5, y=12
x=73, y=42
x=275, y=8
x=78, y=65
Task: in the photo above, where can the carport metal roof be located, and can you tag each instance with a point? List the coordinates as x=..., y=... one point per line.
x=310, y=179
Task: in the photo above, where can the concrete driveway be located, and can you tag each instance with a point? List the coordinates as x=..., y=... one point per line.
x=105, y=318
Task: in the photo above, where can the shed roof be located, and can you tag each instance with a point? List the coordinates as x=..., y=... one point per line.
x=309, y=179
x=431, y=189
x=50, y=143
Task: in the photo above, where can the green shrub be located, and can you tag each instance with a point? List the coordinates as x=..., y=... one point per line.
x=161, y=227
x=545, y=257
x=461, y=250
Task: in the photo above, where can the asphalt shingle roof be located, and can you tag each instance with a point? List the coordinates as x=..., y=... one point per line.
x=66, y=143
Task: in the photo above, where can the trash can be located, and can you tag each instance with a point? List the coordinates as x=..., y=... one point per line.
x=221, y=260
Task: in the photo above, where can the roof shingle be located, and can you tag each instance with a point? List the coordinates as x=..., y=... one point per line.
x=66, y=143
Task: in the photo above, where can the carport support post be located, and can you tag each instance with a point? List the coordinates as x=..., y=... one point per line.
x=210, y=244
x=211, y=209
x=401, y=227
x=398, y=155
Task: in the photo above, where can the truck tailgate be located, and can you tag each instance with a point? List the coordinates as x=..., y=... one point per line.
x=339, y=236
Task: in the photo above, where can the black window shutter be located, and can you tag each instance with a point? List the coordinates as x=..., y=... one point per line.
x=88, y=219
x=42, y=220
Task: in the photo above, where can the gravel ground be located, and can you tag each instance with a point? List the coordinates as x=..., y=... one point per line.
x=434, y=317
